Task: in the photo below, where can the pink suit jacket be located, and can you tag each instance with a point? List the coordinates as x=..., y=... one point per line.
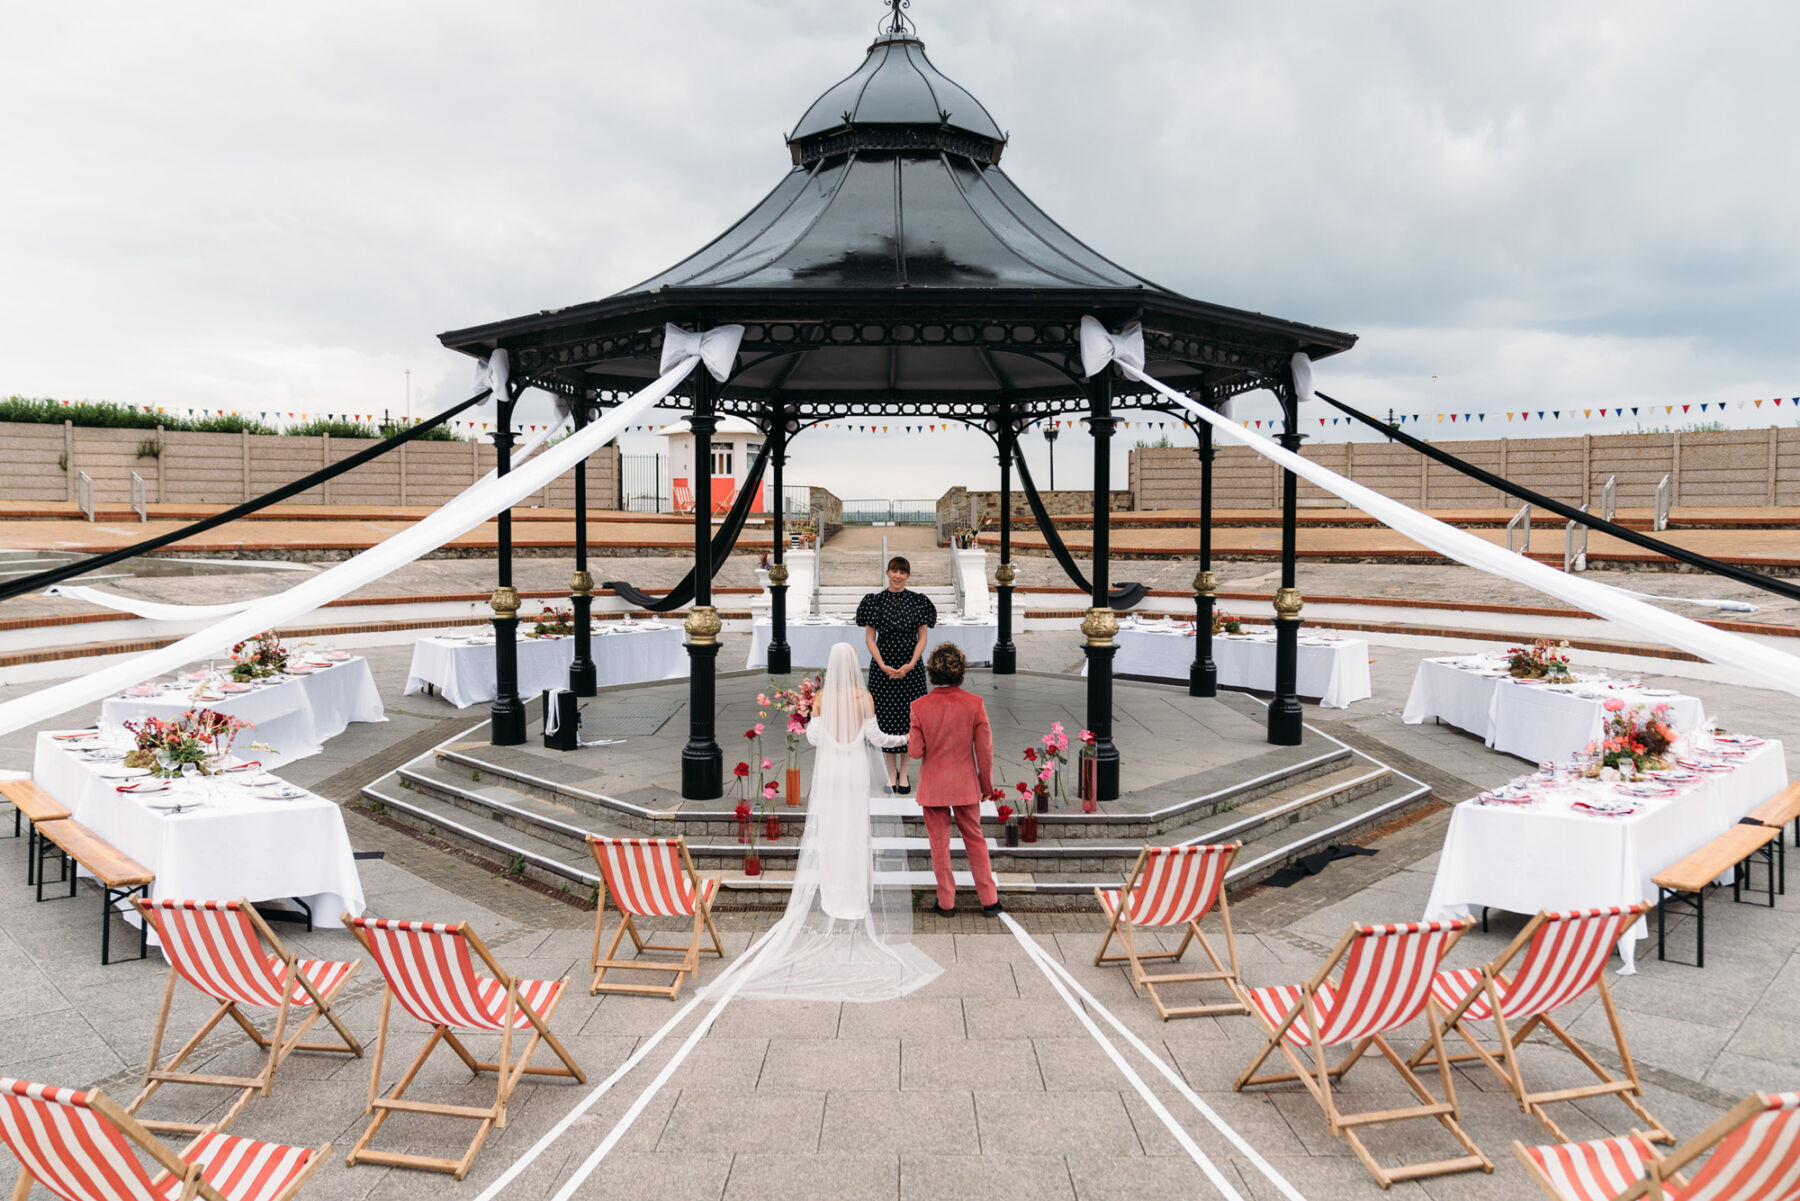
x=951, y=737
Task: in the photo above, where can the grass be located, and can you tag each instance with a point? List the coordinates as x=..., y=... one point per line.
x=106, y=414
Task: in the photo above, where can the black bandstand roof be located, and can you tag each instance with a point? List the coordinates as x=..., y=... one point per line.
x=897, y=270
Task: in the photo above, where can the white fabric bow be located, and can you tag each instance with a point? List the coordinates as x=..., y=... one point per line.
x=1301, y=366
x=1100, y=347
x=717, y=348
x=493, y=374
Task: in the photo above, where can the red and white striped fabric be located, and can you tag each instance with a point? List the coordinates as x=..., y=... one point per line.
x=1759, y=1161
x=1277, y=1001
x=1178, y=885
x=80, y=1156
x=645, y=877
x=214, y=946
x=1596, y=1171
x=1386, y=979
x=1564, y=958
x=433, y=977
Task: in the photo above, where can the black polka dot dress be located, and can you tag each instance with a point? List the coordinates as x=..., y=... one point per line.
x=896, y=617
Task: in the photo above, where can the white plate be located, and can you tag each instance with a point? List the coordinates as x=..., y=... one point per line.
x=167, y=803
x=280, y=792
x=123, y=773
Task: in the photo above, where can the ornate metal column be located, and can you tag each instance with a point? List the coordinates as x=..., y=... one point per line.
x=1100, y=625
x=1203, y=676
x=702, y=762
x=506, y=716
x=780, y=654
x=582, y=676
x=1006, y=655
x=1284, y=709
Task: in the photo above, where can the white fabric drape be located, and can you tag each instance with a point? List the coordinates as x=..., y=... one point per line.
x=1776, y=669
x=461, y=515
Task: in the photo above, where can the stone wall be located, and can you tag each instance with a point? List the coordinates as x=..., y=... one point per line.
x=190, y=468
x=827, y=513
x=954, y=507
x=1715, y=469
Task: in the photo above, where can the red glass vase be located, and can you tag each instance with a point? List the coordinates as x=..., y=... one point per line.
x=1028, y=828
x=743, y=830
x=1041, y=794
x=772, y=828
x=752, y=865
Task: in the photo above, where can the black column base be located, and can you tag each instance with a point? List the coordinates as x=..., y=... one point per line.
x=1006, y=659
x=781, y=661
x=1100, y=720
x=1006, y=654
x=584, y=678
x=702, y=762
x=1285, y=714
x=506, y=716
x=1203, y=677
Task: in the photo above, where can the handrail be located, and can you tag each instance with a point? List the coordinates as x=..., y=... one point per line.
x=1661, y=520
x=138, y=502
x=1521, y=520
x=84, y=493
x=1575, y=534
x=1609, y=498
x=1624, y=534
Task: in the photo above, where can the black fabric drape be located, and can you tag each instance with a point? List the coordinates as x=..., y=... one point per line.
x=1570, y=512
x=57, y=575
x=1125, y=596
x=722, y=542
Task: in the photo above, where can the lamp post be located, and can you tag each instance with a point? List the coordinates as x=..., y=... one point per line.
x=1050, y=437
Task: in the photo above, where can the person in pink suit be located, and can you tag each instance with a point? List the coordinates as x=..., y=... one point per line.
x=951, y=738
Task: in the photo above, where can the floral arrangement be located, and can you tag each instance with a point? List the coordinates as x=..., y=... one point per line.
x=1049, y=762
x=1541, y=660
x=805, y=531
x=198, y=736
x=1225, y=623
x=746, y=826
x=554, y=621
x=1631, y=735
x=259, y=657
x=797, y=703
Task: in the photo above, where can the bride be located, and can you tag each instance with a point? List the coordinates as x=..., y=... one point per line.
x=845, y=936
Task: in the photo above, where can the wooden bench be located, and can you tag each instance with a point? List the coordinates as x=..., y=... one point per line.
x=1731, y=852
x=1778, y=811
x=121, y=877
x=34, y=806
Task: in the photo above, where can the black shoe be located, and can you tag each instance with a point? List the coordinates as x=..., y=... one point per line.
x=903, y=789
x=941, y=911
x=993, y=910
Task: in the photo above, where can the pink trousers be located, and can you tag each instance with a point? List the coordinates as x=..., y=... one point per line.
x=968, y=824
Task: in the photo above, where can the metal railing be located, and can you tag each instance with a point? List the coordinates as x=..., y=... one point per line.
x=84, y=493
x=1521, y=523
x=1609, y=498
x=643, y=483
x=1575, y=536
x=139, y=503
x=890, y=512
x=1663, y=491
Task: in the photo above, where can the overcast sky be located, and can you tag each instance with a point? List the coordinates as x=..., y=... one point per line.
x=1541, y=205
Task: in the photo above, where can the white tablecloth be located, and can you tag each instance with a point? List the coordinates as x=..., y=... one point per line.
x=1548, y=856
x=295, y=716
x=810, y=645
x=1537, y=722
x=1337, y=672
x=241, y=846
x=463, y=674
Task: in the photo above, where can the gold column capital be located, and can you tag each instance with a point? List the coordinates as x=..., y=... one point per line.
x=1100, y=625
x=504, y=602
x=1205, y=583
x=1287, y=604
x=1005, y=574
x=702, y=625
x=581, y=583
x=778, y=574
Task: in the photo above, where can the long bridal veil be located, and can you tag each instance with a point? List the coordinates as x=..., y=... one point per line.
x=847, y=932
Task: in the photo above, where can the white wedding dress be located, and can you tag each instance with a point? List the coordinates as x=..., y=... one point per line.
x=845, y=936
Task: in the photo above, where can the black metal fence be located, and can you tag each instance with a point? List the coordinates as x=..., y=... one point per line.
x=890, y=512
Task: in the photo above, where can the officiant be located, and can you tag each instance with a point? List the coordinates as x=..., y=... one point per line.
x=895, y=620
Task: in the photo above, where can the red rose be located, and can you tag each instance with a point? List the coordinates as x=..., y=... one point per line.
x=743, y=811
x=1005, y=814
x=1031, y=754
x=1024, y=788
x=742, y=769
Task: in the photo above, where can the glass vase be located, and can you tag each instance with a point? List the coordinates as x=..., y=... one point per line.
x=1041, y=795
x=752, y=865
x=1012, y=832
x=793, y=785
x=1028, y=828
x=772, y=828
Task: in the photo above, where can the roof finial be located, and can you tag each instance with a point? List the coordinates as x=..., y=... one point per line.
x=898, y=23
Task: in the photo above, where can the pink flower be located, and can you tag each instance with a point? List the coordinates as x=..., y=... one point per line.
x=1044, y=776
x=1056, y=727
x=1087, y=736
x=762, y=698
x=1050, y=741
x=796, y=726
x=1613, y=704
x=771, y=790
x=758, y=727
x=766, y=765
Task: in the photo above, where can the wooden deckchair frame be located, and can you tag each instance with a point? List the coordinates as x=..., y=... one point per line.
x=690, y=953
x=506, y=1070
x=193, y=1187
x=278, y=1043
x=1661, y=1169
x=1628, y=1089
x=1319, y=1076
x=1141, y=980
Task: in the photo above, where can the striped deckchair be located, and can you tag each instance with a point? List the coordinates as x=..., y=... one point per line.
x=1168, y=888
x=82, y=1147
x=431, y=974
x=227, y=951
x=1758, y=1159
x=1386, y=983
x=1565, y=955
x=649, y=877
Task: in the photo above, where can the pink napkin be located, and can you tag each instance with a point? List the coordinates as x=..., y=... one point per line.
x=77, y=734
x=143, y=786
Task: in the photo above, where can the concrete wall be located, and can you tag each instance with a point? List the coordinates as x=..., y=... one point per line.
x=1716, y=469
x=826, y=509
x=42, y=461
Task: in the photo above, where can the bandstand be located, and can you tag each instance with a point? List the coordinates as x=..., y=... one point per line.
x=896, y=271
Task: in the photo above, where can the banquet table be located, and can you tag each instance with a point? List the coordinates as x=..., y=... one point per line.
x=1536, y=721
x=295, y=714
x=234, y=845
x=1550, y=856
x=1336, y=670
x=461, y=668
x=811, y=639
